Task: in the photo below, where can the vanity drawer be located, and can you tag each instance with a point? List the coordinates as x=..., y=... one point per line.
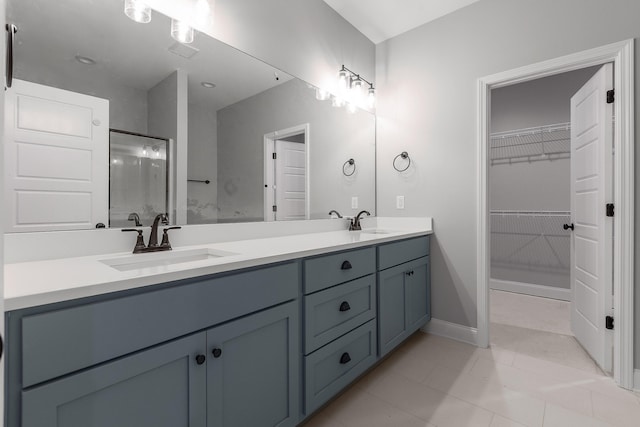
x=58, y=342
x=395, y=253
x=329, y=270
x=336, y=311
x=334, y=366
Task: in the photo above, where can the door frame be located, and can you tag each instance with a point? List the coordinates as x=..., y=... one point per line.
x=621, y=54
x=269, y=148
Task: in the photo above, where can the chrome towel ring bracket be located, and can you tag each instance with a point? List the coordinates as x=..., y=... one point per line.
x=405, y=156
x=349, y=164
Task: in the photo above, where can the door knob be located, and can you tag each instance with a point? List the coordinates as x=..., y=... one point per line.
x=216, y=352
x=567, y=226
x=200, y=359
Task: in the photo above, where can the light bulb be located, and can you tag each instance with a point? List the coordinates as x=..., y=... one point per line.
x=137, y=10
x=343, y=82
x=371, y=98
x=181, y=32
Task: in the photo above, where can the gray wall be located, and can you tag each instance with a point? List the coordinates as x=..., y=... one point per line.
x=202, y=203
x=427, y=105
x=335, y=136
x=537, y=185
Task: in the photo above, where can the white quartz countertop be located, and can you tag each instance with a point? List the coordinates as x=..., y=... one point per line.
x=33, y=283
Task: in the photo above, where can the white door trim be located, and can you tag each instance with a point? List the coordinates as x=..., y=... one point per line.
x=269, y=147
x=622, y=55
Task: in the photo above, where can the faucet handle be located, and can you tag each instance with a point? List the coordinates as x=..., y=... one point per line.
x=165, y=236
x=139, y=247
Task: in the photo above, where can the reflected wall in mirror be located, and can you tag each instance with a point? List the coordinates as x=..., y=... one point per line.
x=223, y=112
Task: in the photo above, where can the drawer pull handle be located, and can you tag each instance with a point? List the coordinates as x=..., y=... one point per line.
x=216, y=352
x=345, y=306
x=345, y=358
x=346, y=266
x=200, y=359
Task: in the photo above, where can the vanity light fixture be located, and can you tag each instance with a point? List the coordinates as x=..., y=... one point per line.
x=351, y=87
x=137, y=10
x=181, y=32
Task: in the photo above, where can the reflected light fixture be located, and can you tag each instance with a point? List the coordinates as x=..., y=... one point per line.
x=181, y=32
x=337, y=101
x=351, y=87
x=322, y=94
x=137, y=10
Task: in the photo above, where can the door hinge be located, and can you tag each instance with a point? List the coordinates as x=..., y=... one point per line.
x=275, y=208
x=608, y=322
x=611, y=96
x=610, y=209
x=273, y=156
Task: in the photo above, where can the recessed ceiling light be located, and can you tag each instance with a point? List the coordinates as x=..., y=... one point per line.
x=208, y=85
x=85, y=60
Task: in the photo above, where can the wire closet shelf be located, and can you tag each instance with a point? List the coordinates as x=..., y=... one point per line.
x=547, y=142
x=531, y=240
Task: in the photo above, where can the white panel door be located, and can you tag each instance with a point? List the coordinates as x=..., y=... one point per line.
x=290, y=180
x=56, y=159
x=592, y=240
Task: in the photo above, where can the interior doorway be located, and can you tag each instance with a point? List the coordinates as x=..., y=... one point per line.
x=286, y=174
x=621, y=55
x=531, y=211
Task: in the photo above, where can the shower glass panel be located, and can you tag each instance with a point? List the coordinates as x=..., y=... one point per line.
x=138, y=177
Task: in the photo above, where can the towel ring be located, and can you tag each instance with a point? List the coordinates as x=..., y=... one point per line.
x=346, y=165
x=403, y=155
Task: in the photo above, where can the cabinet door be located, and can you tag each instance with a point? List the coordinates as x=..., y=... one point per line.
x=403, y=302
x=160, y=387
x=417, y=294
x=391, y=308
x=253, y=370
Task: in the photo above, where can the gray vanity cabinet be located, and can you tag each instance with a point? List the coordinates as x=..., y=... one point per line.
x=161, y=387
x=252, y=370
x=403, y=292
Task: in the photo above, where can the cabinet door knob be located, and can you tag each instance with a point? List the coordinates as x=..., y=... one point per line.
x=345, y=306
x=346, y=266
x=216, y=352
x=200, y=359
x=567, y=226
x=345, y=358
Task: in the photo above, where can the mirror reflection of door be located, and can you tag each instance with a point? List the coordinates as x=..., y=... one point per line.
x=286, y=175
x=138, y=177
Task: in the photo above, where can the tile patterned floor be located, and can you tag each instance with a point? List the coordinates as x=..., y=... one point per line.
x=527, y=378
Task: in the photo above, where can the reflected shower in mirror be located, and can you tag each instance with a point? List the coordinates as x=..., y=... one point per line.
x=219, y=108
x=138, y=178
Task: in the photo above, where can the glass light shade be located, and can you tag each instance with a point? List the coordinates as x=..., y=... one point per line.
x=336, y=101
x=371, y=98
x=322, y=94
x=137, y=10
x=343, y=80
x=356, y=90
x=181, y=32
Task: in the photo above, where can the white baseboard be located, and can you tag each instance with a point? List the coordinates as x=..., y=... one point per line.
x=530, y=289
x=453, y=331
x=636, y=379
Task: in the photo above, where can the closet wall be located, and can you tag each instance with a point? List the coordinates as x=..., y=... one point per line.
x=530, y=185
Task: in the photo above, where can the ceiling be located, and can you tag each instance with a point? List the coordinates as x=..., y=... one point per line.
x=380, y=20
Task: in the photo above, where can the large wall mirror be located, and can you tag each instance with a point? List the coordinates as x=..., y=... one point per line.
x=108, y=117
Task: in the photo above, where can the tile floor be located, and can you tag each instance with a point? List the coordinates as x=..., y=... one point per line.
x=529, y=377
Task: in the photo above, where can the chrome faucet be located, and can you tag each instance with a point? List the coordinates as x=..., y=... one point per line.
x=153, y=238
x=355, y=222
x=333, y=211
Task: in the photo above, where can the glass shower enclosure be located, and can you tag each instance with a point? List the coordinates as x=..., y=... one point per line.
x=138, y=178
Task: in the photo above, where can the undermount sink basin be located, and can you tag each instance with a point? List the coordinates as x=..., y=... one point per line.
x=162, y=259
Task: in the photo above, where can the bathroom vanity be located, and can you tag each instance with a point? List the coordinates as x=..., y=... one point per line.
x=253, y=338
